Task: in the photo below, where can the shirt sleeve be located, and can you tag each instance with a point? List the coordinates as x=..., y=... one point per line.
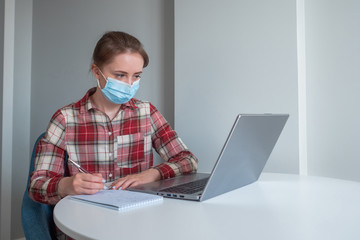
x=49, y=162
x=177, y=157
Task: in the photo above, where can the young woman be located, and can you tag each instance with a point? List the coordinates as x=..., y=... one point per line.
x=108, y=133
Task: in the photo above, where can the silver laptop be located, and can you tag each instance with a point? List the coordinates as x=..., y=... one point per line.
x=241, y=161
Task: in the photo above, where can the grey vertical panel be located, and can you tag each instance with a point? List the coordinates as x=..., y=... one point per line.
x=1, y=75
x=333, y=59
x=7, y=119
x=235, y=57
x=1, y=63
x=64, y=36
x=21, y=111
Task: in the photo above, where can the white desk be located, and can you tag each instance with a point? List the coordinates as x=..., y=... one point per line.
x=278, y=206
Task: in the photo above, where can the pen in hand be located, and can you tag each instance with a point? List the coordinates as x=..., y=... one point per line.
x=82, y=170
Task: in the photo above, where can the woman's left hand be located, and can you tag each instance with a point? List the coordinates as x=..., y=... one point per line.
x=147, y=176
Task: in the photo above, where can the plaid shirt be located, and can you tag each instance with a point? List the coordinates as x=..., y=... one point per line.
x=114, y=148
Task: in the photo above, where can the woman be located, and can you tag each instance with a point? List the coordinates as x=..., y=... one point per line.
x=108, y=133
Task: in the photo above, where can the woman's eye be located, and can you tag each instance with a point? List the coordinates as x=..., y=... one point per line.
x=137, y=76
x=120, y=75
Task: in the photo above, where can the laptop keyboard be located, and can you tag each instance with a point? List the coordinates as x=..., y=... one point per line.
x=188, y=188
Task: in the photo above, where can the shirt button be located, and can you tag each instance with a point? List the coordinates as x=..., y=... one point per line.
x=110, y=133
x=110, y=154
x=110, y=175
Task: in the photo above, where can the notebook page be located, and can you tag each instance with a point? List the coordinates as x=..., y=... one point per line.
x=119, y=199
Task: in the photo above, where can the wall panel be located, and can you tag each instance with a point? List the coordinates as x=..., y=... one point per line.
x=235, y=57
x=333, y=57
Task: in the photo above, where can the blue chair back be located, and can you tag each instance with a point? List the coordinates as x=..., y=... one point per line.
x=37, y=218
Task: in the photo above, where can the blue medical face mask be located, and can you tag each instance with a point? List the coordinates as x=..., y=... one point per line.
x=117, y=91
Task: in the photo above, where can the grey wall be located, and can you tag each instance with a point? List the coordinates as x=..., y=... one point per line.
x=231, y=56
x=333, y=57
x=63, y=41
x=235, y=57
x=63, y=37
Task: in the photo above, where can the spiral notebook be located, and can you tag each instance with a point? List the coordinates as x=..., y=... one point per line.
x=119, y=200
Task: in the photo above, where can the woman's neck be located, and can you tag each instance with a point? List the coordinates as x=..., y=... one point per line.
x=100, y=102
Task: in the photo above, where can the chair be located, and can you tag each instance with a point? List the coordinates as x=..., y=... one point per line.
x=37, y=218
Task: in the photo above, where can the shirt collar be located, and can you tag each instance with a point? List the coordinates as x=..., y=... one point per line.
x=130, y=104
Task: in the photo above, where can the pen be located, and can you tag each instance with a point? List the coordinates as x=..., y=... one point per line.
x=82, y=170
x=79, y=167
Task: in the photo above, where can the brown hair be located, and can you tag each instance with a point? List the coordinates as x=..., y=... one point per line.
x=113, y=43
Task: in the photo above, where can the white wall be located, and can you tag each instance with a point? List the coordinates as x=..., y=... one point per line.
x=333, y=60
x=235, y=57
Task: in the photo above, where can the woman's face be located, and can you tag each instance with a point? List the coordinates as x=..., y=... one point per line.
x=125, y=67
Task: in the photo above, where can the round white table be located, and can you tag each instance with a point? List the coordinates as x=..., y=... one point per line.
x=278, y=206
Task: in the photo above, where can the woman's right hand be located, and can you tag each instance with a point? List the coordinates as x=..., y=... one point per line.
x=80, y=183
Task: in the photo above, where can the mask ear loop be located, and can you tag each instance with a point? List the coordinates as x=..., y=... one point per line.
x=98, y=83
x=102, y=76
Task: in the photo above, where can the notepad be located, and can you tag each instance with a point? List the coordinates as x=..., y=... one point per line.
x=119, y=199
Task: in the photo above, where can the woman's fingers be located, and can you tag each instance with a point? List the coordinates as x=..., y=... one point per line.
x=147, y=176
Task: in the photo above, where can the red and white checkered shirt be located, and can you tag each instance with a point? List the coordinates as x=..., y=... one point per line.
x=114, y=148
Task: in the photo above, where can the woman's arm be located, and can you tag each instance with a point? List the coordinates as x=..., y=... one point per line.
x=48, y=184
x=177, y=157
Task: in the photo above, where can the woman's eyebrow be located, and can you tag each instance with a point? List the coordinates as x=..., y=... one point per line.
x=120, y=71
